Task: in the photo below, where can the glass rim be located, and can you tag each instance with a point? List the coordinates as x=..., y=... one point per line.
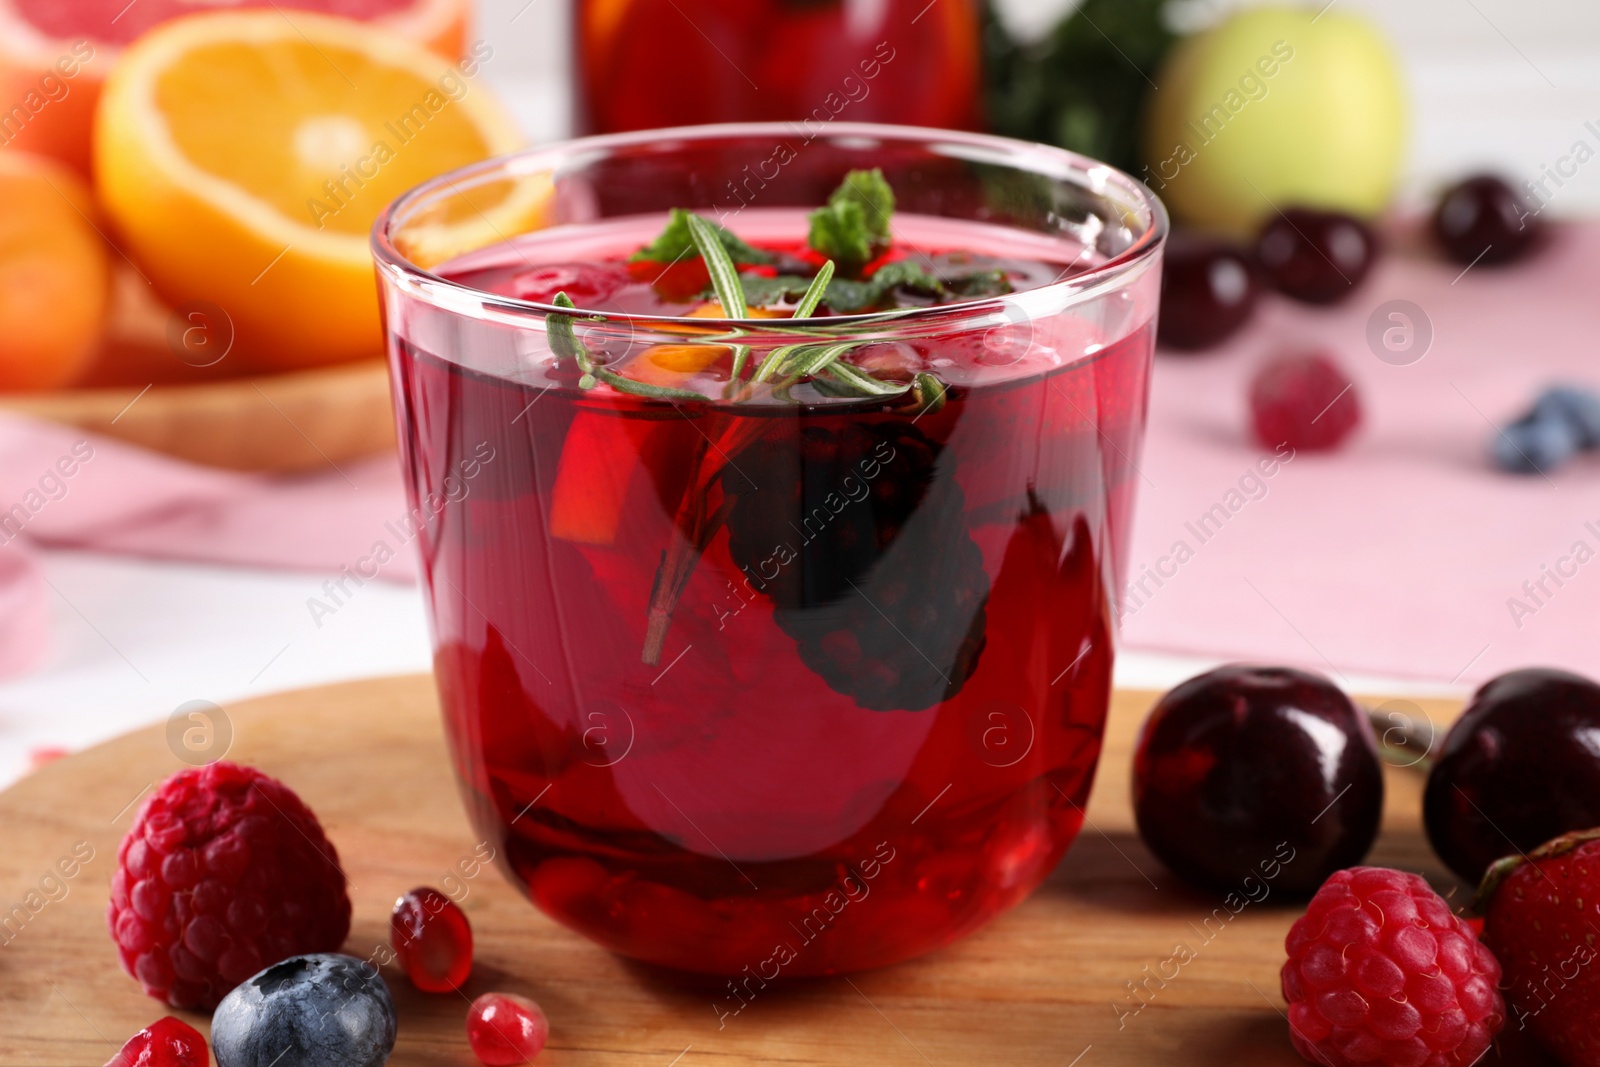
x=1075, y=289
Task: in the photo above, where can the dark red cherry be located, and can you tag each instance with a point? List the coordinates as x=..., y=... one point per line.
x=1519, y=767
x=1484, y=220
x=1208, y=290
x=1257, y=772
x=1319, y=257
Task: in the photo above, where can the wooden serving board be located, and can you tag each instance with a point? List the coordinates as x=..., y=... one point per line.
x=1039, y=987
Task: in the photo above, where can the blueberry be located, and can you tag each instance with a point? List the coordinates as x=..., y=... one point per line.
x=1535, y=444
x=322, y=1010
x=1578, y=406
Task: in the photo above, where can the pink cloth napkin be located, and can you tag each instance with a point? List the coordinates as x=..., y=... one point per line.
x=1405, y=553
x=63, y=488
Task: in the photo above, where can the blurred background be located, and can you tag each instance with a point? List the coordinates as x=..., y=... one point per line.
x=195, y=448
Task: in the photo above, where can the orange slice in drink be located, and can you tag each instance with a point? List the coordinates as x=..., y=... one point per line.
x=245, y=155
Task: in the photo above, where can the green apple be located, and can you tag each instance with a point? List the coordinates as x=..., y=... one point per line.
x=1276, y=106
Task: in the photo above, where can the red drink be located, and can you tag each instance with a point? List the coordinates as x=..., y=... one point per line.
x=651, y=63
x=790, y=682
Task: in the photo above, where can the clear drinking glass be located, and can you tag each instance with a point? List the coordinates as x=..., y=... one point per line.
x=773, y=679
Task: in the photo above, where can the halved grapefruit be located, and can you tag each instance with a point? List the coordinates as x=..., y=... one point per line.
x=244, y=157
x=56, y=54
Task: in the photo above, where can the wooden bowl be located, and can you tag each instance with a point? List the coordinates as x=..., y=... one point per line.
x=221, y=415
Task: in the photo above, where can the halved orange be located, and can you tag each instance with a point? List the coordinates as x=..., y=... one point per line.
x=56, y=54
x=245, y=155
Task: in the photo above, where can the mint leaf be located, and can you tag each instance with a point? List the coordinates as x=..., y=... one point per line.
x=847, y=297
x=871, y=190
x=853, y=227
x=843, y=296
x=762, y=291
x=981, y=283
x=840, y=233
x=676, y=242
x=907, y=275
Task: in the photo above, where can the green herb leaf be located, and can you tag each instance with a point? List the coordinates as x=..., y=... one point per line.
x=854, y=226
x=928, y=392
x=906, y=275
x=558, y=330
x=863, y=383
x=816, y=358
x=724, y=275
x=843, y=296
x=1087, y=85
x=762, y=291
x=871, y=190
x=814, y=292
x=677, y=242
x=565, y=344
x=774, y=362
x=981, y=283
x=847, y=297
x=840, y=233
x=638, y=388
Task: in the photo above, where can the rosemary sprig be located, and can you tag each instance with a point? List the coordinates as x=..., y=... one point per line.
x=565, y=344
x=816, y=358
x=724, y=275
x=864, y=383
x=809, y=302
x=697, y=519
x=725, y=283
x=815, y=292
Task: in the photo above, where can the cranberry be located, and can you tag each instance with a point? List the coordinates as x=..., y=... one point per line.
x=1261, y=772
x=505, y=1029
x=167, y=1042
x=1315, y=256
x=1519, y=767
x=1484, y=220
x=1304, y=401
x=587, y=284
x=1208, y=290
x=432, y=939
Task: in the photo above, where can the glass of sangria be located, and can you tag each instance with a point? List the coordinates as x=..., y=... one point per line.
x=644, y=64
x=771, y=541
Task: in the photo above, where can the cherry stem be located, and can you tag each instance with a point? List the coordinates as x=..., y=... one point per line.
x=1403, y=741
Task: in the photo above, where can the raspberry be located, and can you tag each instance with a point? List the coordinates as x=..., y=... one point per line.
x=1380, y=971
x=224, y=871
x=166, y=1042
x=1304, y=401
